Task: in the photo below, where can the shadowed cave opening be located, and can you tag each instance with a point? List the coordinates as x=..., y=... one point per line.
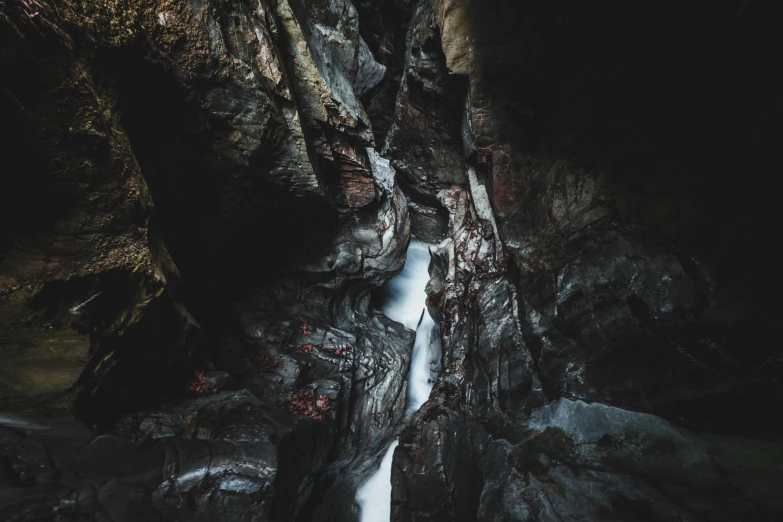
x=229, y=230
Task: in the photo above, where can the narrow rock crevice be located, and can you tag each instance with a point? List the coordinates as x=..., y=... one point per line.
x=207, y=207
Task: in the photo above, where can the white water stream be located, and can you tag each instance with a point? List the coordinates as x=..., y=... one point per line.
x=404, y=302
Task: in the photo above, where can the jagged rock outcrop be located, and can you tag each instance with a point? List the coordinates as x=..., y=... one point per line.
x=597, y=462
x=546, y=293
x=61, y=470
x=201, y=197
x=220, y=170
x=425, y=140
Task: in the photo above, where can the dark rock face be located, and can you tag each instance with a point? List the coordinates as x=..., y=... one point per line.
x=63, y=471
x=228, y=137
x=548, y=295
x=572, y=459
x=384, y=25
x=425, y=141
x=201, y=197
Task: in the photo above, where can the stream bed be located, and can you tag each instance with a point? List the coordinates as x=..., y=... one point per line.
x=403, y=300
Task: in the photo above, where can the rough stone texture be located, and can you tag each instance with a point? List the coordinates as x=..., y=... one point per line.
x=360, y=379
x=424, y=142
x=70, y=243
x=232, y=136
x=548, y=293
x=343, y=59
x=383, y=24
x=578, y=460
x=63, y=471
x=199, y=214
x=99, y=237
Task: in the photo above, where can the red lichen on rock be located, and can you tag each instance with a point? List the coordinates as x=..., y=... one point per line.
x=487, y=270
x=264, y=363
x=355, y=190
x=304, y=402
x=343, y=352
x=198, y=384
x=305, y=348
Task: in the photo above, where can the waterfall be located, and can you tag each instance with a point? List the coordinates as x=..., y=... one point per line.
x=374, y=497
x=403, y=301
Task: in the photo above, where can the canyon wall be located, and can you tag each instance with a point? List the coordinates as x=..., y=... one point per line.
x=592, y=297
x=200, y=197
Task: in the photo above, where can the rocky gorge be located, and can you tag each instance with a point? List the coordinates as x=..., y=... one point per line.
x=202, y=201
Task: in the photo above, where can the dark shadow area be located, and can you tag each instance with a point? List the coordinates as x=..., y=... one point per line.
x=31, y=198
x=674, y=111
x=154, y=358
x=383, y=26
x=678, y=102
x=228, y=230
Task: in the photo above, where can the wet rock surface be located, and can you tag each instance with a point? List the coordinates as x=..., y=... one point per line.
x=224, y=348
x=563, y=320
x=204, y=195
x=598, y=462
x=58, y=470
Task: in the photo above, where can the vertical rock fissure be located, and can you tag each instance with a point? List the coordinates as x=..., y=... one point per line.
x=403, y=300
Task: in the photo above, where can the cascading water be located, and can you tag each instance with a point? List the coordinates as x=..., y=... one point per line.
x=374, y=497
x=403, y=301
